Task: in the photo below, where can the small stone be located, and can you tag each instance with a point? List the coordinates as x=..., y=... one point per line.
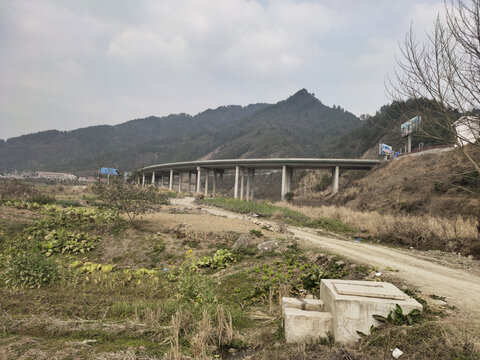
x=243, y=241
x=437, y=302
x=88, y=342
x=340, y=263
x=476, y=347
x=267, y=246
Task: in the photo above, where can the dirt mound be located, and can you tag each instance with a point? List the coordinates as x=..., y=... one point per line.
x=442, y=184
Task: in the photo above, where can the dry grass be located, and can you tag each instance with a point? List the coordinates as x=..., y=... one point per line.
x=423, y=228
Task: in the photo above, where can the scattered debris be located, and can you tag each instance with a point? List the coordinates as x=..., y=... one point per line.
x=396, y=353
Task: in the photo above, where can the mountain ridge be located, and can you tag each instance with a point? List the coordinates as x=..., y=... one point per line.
x=300, y=125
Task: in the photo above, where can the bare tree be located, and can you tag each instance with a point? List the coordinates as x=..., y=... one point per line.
x=445, y=70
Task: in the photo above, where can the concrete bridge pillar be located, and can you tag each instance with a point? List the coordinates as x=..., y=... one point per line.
x=335, y=175
x=287, y=176
x=180, y=182
x=143, y=179
x=153, y=178
x=247, y=195
x=235, y=188
x=163, y=180
x=170, y=182
x=252, y=181
x=207, y=172
x=138, y=180
x=189, y=182
x=242, y=180
x=214, y=190
x=199, y=176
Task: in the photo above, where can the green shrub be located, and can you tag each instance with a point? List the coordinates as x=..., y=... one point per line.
x=30, y=270
x=193, y=286
x=129, y=198
x=68, y=203
x=256, y=233
x=289, y=196
x=41, y=199
x=329, y=224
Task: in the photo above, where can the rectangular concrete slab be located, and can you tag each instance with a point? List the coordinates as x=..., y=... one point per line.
x=301, y=326
x=372, y=289
x=353, y=304
x=313, y=304
x=291, y=303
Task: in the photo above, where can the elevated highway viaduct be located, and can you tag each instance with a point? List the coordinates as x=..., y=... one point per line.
x=243, y=169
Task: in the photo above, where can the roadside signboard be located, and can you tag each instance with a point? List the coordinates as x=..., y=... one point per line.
x=108, y=171
x=384, y=149
x=410, y=126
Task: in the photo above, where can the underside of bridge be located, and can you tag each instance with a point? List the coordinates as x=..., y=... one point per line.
x=244, y=172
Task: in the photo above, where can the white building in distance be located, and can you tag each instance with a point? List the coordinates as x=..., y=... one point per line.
x=468, y=129
x=55, y=176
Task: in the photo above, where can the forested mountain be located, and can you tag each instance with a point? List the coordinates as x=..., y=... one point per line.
x=384, y=127
x=298, y=126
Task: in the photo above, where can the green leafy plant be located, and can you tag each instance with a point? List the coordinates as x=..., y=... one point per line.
x=30, y=270
x=397, y=317
x=64, y=241
x=312, y=277
x=256, y=233
x=221, y=259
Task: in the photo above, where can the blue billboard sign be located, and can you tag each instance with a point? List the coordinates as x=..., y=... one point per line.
x=384, y=149
x=410, y=126
x=108, y=171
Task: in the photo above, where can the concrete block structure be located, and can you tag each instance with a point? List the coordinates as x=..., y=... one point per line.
x=353, y=304
x=345, y=307
x=301, y=325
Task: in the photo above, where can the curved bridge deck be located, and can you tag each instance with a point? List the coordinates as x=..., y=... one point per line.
x=247, y=167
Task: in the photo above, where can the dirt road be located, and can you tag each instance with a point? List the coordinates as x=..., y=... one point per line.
x=460, y=287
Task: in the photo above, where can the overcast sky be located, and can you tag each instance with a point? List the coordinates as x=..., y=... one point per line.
x=66, y=64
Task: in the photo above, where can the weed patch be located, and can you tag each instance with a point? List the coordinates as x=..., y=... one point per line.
x=288, y=215
x=30, y=270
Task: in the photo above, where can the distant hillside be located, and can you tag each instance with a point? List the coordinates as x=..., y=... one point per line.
x=298, y=126
x=384, y=127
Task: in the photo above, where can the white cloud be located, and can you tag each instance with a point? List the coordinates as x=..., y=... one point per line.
x=67, y=64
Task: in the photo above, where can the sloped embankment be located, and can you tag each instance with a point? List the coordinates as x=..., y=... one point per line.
x=442, y=184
